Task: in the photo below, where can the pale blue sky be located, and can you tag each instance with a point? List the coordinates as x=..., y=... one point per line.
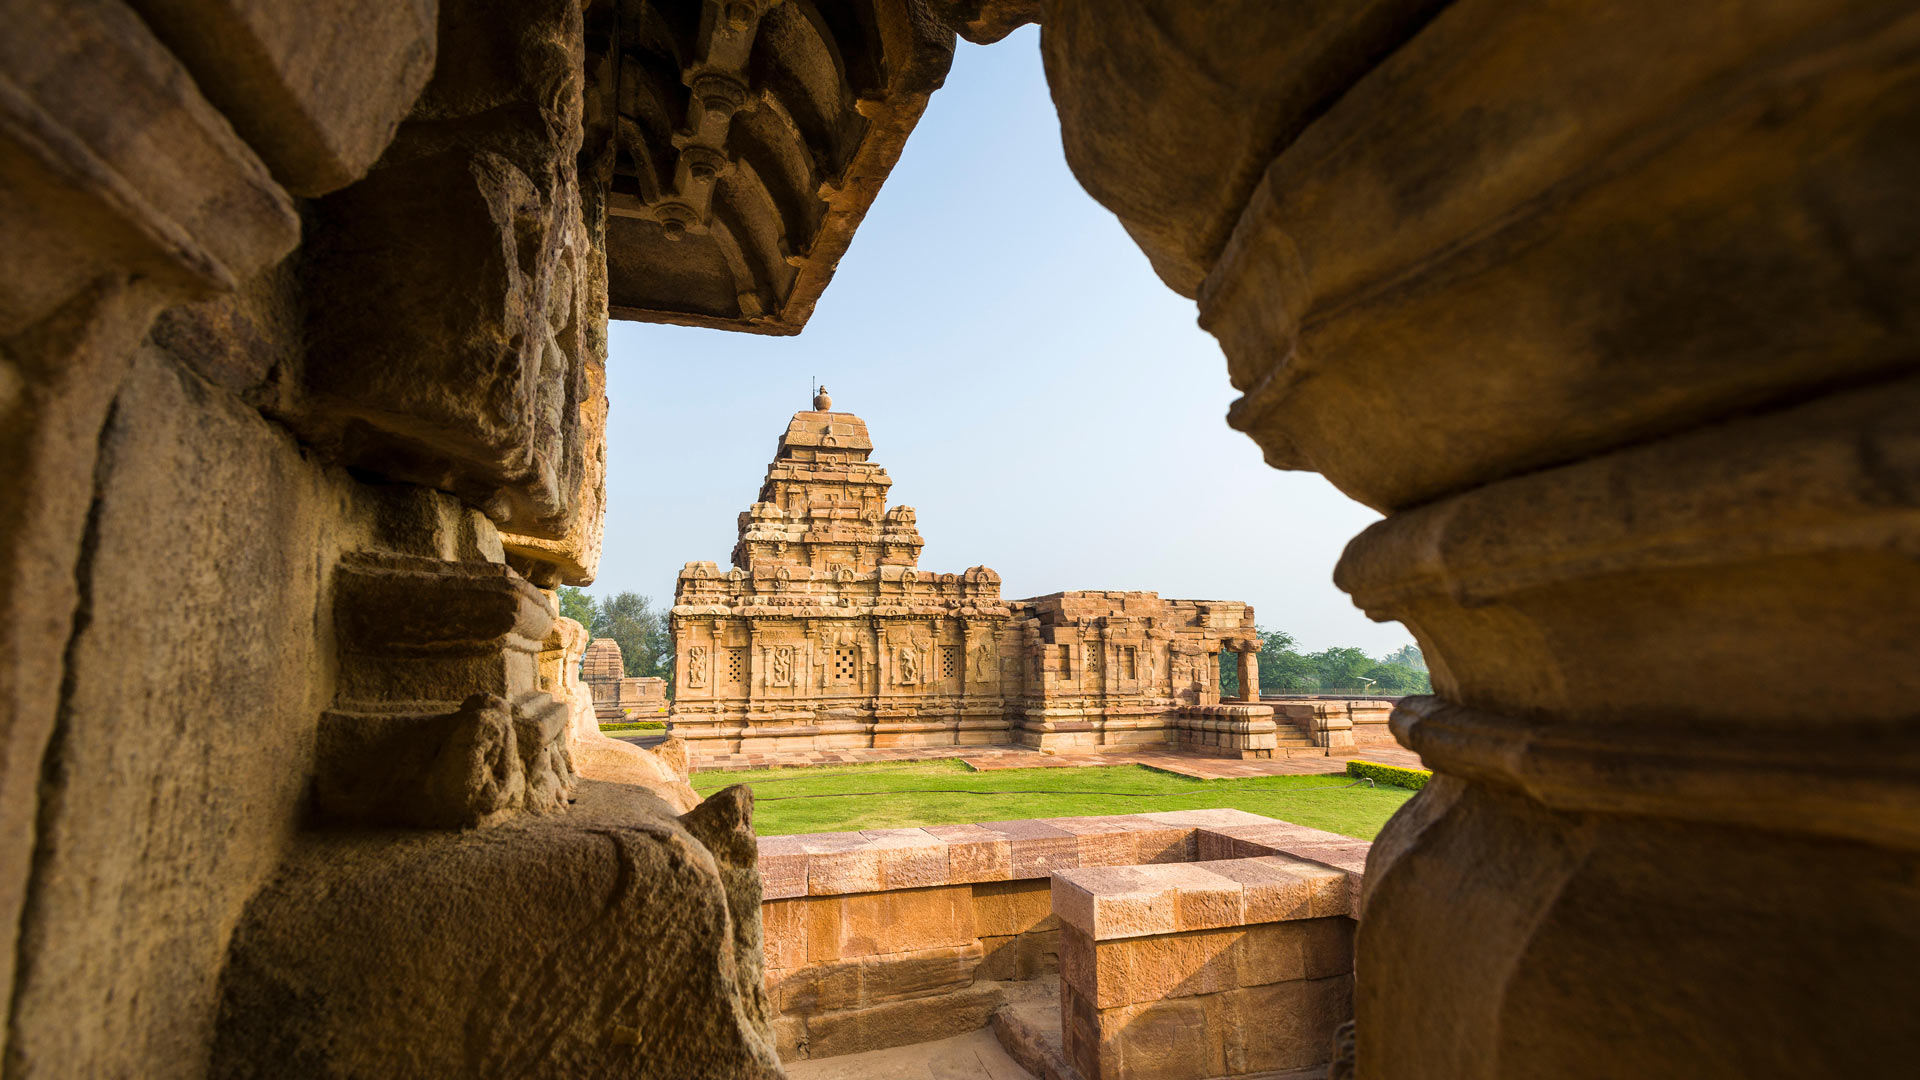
x=1045, y=403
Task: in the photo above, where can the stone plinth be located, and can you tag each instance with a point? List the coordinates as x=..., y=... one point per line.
x=892, y=936
x=1208, y=969
x=1232, y=730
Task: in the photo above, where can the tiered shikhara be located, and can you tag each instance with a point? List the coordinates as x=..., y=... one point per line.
x=827, y=635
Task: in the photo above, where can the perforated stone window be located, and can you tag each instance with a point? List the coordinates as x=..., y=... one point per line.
x=845, y=661
x=736, y=665
x=949, y=661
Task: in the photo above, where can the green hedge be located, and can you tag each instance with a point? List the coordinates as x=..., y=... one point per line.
x=1389, y=774
x=640, y=725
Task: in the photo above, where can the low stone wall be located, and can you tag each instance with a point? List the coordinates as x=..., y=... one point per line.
x=1336, y=722
x=1209, y=969
x=1244, y=730
x=894, y=936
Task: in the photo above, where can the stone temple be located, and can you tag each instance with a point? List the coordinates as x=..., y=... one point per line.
x=827, y=634
x=1609, y=308
x=618, y=696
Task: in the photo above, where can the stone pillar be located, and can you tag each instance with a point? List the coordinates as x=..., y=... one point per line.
x=1250, y=672
x=1613, y=314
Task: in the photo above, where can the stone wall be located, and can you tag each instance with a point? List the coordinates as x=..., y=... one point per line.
x=894, y=936
x=1206, y=969
x=1335, y=722
x=302, y=341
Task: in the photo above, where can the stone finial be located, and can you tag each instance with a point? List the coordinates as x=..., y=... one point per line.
x=821, y=401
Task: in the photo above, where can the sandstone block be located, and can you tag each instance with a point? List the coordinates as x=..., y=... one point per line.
x=1036, y=954
x=920, y=973
x=790, y=1037
x=1110, y=902
x=909, y=858
x=1133, y=971
x=999, y=958
x=1329, y=947
x=316, y=89
x=783, y=867
x=1171, y=1039
x=903, y=921
x=1274, y=952
x=1202, y=899
x=1036, y=848
x=975, y=853
x=1099, y=842
x=1287, y=1025
x=899, y=1023
x=783, y=926
x=1269, y=890
x=1013, y=907
x=839, y=863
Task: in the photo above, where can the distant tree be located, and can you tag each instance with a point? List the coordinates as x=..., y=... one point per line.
x=1408, y=655
x=1399, y=678
x=641, y=631
x=1340, y=668
x=1282, y=668
x=577, y=605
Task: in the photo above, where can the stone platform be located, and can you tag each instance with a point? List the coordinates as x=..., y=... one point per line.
x=1308, y=762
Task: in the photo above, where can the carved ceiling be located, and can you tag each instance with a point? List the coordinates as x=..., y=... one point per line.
x=742, y=142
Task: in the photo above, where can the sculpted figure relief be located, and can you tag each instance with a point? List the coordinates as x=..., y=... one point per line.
x=780, y=671
x=909, y=666
x=981, y=658
x=697, y=665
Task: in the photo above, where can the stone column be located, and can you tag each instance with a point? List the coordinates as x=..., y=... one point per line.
x=1614, y=314
x=1250, y=672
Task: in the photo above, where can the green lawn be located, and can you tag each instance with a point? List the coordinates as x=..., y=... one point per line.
x=632, y=726
x=897, y=795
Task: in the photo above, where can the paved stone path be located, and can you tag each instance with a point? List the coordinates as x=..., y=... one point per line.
x=988, y=758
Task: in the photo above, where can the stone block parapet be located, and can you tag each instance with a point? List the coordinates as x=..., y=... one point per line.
x=1228, y=730
x=1222, y=968
x=1336, y=722
x=890, y=936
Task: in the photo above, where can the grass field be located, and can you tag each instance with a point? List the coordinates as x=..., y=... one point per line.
x=897, y=795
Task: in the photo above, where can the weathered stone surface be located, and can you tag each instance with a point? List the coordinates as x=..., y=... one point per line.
x=167, y=801
x=1645, y=330
x=1013, y=907
x=163, y=744
x=118, y=195
x=1171, y=111
x=145, y=180
x=316, y=89
x=457, y=263
x=752, y=140
x=984, y=22
x=574, y=913
x=898, y=1023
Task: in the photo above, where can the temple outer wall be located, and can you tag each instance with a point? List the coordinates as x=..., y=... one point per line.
x=1070, y=671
